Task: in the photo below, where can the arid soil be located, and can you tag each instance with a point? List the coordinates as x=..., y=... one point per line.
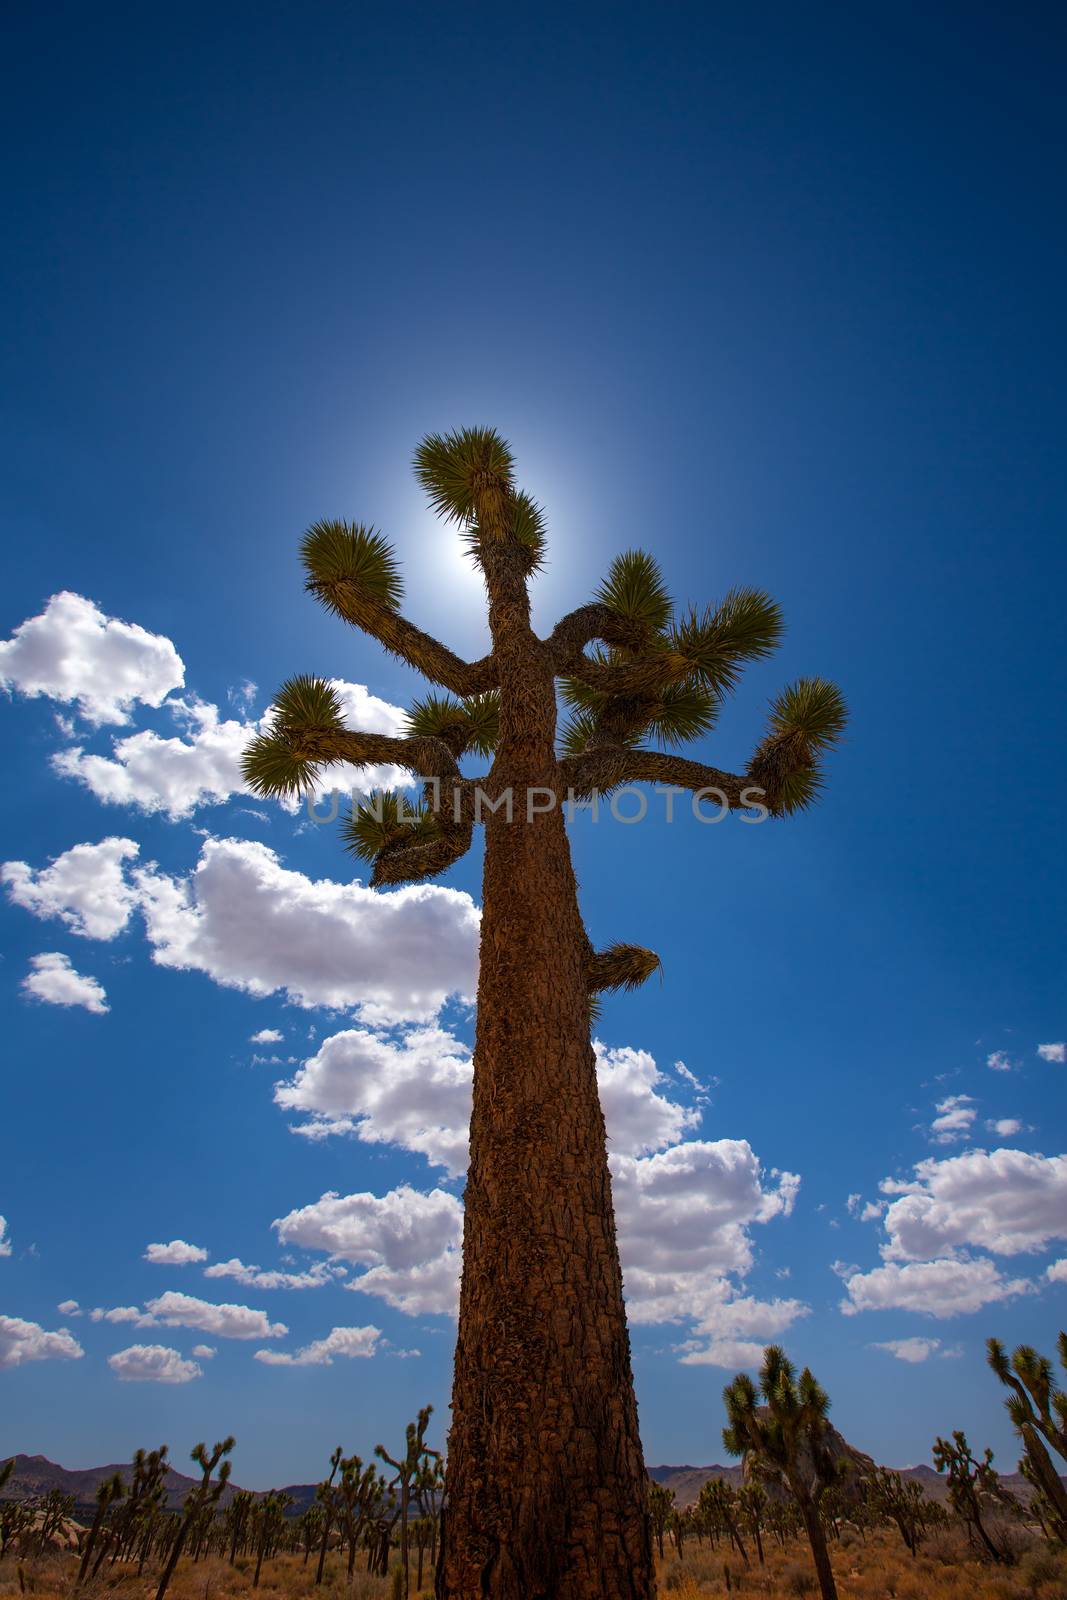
x=876, y=1569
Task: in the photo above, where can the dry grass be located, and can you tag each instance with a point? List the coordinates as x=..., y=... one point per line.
x=879, y=1569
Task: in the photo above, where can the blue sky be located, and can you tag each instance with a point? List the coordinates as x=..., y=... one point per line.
x=775, y=295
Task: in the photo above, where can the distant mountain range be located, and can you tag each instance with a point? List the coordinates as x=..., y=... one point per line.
x=36, y=1475
x=688, y=1481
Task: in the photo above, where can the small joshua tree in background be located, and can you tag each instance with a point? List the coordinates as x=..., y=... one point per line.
x=901, y=1501
x=200, y=1500
x=108, y=1494
x=785, y=1441
x=752, y=1503
x=718, y=1506
x=660, y=1506
x=327, y=1499
x=271, y=1512
x=973, y=1485
x=408, y=1470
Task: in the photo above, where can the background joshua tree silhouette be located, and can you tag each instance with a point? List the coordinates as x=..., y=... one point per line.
x=545, y=1480
x=785, y=1441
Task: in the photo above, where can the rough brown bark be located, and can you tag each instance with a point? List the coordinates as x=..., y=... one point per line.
x=545, y=1480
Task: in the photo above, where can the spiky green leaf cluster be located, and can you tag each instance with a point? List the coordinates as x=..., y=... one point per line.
x=634, y=591
x=805, y=720
x=464, y=725
x=685, y=664
x=340, y=555
x=385, y=820
x=623, y=966
x=276, y=763
x=681, y=712
x=813, y=709
x=715, y=644
x=525, y=528
x=467, y=476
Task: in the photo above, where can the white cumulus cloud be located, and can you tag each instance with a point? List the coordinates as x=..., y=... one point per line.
x=910, y=1350
x=252, y=924
x=266, y=1036
x=1053, y=1052
x=5, y=1238
x=954, y=1120
x=1005, y=1201
x=153, y=1363
x=54, y=979
x=72, y=652
x=1005, y=1127
x=86, y=888
x=121, y=1314
x=255, y=1277
x=348, y=1342
x=177, y=1310
x=175, y=1254
x=952, y=1286
x=1000, y=1061
x=414, y=1092
x=409, y=1243
x=22, y=1341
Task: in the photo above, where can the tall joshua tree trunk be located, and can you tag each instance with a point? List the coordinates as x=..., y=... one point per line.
x=545, y=1476
x=545, y=1483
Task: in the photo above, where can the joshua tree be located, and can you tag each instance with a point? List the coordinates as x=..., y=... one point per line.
x=310, y=1530
x=144, y=1502
x=785, y=1442
x=972, y=1483
x=356, y=1493
x=203, y=1498
x=546, y=1490
x=718, y=1504
x=408, y=1471
x=238, y=1514
x=111, y=1490
x=752, y=1502
x=660, y=1507
x=271, y=1522
x=327, y=1499
x=901, y=1500
x=1038, y=1410
x=53, y=1511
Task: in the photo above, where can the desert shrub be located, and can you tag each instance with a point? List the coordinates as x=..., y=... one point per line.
x=1041, y=1566
x=677, y=1577
x=799, y=1580
x=947, y=1546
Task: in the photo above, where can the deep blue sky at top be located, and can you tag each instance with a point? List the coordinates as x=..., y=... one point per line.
x=775, y=292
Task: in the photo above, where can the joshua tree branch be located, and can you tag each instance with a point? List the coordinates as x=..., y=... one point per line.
x=427, y=757
x=605, y=769
x=651, y=671
x=413, y=862
x=403, y=639
x=568, y=639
